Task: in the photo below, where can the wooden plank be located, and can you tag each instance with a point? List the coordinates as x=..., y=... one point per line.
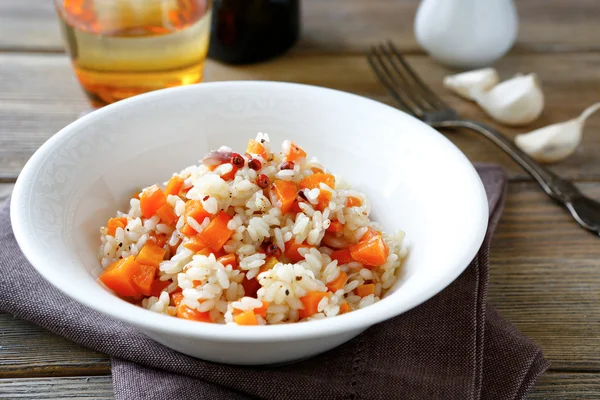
x=345, y=25
x=30, y=351
x=39, y=95
x=545, y=277
x=92, y=387
x=550, y=386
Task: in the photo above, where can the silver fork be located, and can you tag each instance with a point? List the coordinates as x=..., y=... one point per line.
x=415, y=98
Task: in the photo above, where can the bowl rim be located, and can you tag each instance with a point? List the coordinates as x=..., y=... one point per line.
x=147, y=320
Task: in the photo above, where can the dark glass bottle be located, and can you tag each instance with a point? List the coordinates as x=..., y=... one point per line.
x=247, y=31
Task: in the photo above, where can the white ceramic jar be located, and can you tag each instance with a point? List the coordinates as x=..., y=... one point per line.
x=466, y=33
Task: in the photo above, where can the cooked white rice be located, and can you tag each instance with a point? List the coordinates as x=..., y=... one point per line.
x=263, y=279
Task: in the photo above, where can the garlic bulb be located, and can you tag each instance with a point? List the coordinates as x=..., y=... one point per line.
x=555, y=142
x=517, y=101
x=466, y=83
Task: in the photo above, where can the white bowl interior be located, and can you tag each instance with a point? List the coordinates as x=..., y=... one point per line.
x=415, y=178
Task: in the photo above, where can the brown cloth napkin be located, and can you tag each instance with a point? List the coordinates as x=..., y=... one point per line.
x=454, y=346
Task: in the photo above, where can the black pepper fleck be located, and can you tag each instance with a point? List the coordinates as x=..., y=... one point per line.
x=287, y=292
x=127, y=229
x=298, y=278
x=262, y=140
x=302, y=195
x=120, y=244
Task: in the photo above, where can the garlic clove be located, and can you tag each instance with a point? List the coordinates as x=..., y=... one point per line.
x=465, y=83
x=557, y=141
x=516, y=101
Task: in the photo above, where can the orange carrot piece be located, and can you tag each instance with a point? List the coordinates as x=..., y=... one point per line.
x=291, y=250
x=144, y=278
x=115, y=223
x=174, y=186
x=166, y=214
x=151, y=200
x=335, y=227
x=262, y=311
x=371, y=253
x=159, y=239
x=230, y=175
x=310, y=303
x=286, y=193
x=316, y=170
x=342, y=256
x=195, y=209
x=118, y=276
x=270, y=262
x=352, y=201
x=296, y=153
x=365, y=290
x=246, y=318
x=186, y=312
x=344, y=308
x=217, y=233
x=196, y=245
x=257, y=148
x=176, y=298
x=338, y=283
x=228, y=259
x=370, y=234
x=314, y=181
x=158, y=286
x=151, y=254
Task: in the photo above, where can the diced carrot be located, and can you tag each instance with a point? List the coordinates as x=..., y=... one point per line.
x=316, y=170
x=310, y=303
x=186, y=312
x=174, y=186
x=176, y=298
x=151, y=200
x=338, y=283
x=342, y=256
x=187, y=230
x=151, y=254
x=250, y=286
x=344, y=308
x=230, y=175
x=365, y=290
x=166, y=214
x=204, y=252
x=115, y=223
x=144, y=278
x=370, y=234
x=158, y=286
x=270, y=262
x=352, y=201
x=217, y=233
x=371, y=253
x=255, y=147
x=335, y=227
x=262, y=311
x=314, y=181
x=296, y=153
x=286, y=193
x=119, y=276
x=291, y=250
x=195, y=209
x=246, y=318
x=196, y=245
x=228, y=259
x=159, y=239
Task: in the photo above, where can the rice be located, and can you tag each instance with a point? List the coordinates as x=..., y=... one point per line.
x=217, y=247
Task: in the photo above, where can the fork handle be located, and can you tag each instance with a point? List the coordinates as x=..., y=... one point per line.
x=559, y=189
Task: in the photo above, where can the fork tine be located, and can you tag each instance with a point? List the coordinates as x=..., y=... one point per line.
x=385, y=77
x=425, y=92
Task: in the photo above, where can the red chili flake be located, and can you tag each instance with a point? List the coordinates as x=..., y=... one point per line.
x=287, y=165
x=205, y=198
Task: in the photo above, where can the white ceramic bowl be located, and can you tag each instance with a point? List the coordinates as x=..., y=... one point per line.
x=415, y=178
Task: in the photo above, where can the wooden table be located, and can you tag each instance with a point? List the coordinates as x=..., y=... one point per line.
x=545, y=273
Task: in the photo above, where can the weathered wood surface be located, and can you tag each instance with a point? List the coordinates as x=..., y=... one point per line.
x=345, y=25
x=551, y=386
x=39, y=95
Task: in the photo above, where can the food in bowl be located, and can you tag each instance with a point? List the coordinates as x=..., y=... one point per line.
x=258, y=238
